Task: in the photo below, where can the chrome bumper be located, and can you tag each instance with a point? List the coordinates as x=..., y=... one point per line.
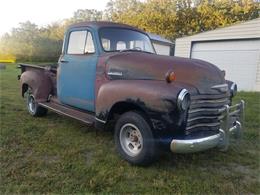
x=221, y=139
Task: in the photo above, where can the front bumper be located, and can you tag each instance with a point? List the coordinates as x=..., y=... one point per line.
x=231, y=125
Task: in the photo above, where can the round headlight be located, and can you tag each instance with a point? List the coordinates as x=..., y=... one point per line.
x=233, y=89
x=183, y=100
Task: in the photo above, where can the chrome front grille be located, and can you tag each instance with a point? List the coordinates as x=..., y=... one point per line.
x=205, y=113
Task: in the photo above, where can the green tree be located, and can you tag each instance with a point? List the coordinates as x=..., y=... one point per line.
x=30, y=43
x=22, y=41
x=86, y=15
x=153, y=16
x=176, y=18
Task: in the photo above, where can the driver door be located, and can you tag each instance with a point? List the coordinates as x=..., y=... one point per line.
x=77, y=70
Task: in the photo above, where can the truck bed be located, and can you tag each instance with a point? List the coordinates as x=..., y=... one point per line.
x=49, y=70
x=47, y=67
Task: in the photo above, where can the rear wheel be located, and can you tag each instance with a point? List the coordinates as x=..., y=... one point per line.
x=134, y=139
x=33, y=107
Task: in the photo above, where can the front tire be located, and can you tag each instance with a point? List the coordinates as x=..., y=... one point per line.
x=33, y=107
x=134, y=139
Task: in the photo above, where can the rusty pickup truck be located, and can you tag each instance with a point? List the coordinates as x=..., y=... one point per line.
x=109, y=76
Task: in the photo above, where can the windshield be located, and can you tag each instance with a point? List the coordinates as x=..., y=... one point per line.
x=119, y=39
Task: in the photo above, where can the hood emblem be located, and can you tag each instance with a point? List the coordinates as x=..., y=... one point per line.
x=115, y=73
x=220, y=88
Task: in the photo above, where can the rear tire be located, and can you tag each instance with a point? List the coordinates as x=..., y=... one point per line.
x=33, y=107
x=134, y=139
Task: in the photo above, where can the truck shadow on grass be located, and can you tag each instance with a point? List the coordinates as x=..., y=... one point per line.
x=207, y=158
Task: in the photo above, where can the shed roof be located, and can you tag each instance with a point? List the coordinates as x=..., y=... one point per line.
x=158, y=38
x=251, y=26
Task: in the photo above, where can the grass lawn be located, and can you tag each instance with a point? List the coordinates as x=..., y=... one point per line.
x=55, y=154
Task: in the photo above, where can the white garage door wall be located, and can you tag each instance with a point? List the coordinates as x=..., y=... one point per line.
x=239, y=58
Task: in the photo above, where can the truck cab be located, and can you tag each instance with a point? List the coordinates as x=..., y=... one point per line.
x=109, y=75
x=81, y=51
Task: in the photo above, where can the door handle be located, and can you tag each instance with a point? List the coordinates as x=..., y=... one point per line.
x=64, y=61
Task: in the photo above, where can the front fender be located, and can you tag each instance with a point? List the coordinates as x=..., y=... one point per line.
x=156, y=98
x=39, y=82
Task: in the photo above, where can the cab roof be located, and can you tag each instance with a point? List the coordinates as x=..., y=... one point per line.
x=101, y=24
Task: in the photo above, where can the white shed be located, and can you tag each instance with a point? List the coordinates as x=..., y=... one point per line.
x=161, y=45
x=235, y=49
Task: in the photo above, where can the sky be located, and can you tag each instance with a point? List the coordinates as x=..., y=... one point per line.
x=41, y=12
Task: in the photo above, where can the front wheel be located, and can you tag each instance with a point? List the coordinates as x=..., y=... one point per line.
x=134, y=139
x=33, y=107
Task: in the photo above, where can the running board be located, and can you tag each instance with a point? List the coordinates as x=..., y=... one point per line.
x=84, y=117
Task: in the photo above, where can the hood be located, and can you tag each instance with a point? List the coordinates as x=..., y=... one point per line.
x=144, y=66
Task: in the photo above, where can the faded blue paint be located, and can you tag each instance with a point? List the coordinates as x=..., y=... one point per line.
x=76, y=77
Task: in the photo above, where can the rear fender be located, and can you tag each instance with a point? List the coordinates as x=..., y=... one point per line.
x=39, y=82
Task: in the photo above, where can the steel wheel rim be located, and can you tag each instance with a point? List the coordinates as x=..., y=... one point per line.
x=131, y=139
x=31, y=104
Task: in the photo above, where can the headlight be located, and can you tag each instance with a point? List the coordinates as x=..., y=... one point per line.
x=233, y=89
x=183, y=100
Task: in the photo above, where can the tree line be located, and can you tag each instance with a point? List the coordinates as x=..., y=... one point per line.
x=168, y=18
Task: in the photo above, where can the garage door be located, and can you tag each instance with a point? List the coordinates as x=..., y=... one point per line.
x=240, y=59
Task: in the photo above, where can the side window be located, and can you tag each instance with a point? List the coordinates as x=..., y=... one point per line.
x=80, y=42
x=77, y=42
